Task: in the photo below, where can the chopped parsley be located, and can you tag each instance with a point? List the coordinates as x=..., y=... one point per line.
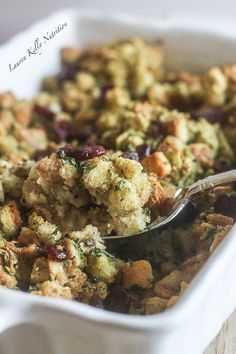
x=120, y=184
x=65, y=159
x=147, y=211
x=55, y=231
x=210, y=233
x=85, y=166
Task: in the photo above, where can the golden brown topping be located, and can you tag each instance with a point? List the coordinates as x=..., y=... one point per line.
x=138, y=273
x=157, y=163
x=10, y=219
x=218, y=219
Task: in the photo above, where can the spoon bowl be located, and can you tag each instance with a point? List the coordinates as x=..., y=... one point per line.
x=181, y=198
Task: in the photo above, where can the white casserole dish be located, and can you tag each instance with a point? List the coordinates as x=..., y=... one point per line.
x=31, y=324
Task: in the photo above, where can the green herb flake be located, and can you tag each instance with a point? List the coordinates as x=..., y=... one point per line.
x=120, y=184
x=209, y=234
x=85, y=166
x=97, y=252
x=55, y=231
x=65, y=159
x=147, y=211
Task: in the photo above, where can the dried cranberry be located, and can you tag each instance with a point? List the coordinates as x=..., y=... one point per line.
x=131, y=155
x=68, y=72
x=62, y=128
x=67, y=150
x=40, y=154
x=89, y=151
x=117, y=300
x=83, y=135
x=54, y=252
x=84, y=152
x=143, y=151
x=226, y=205
x=44, y=111
x=97, y=302
x=221, y=166
x=104, y=89
x=92, y=143
x=212, y=115
x=66, y=130
x=158, y=130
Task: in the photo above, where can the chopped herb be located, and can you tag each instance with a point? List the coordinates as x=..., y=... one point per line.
x=65, y=159
x=88, y=286
x=55, y=231
x=147, y=211
x=85, y=166
x=97, y=252
x=120, y=184
x=5, y=255
x=210, y=233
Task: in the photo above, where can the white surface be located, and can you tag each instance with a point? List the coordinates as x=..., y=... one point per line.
x=67, y=327
x=17, y=15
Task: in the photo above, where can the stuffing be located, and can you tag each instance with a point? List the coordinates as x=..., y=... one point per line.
x=52, y=289
x=8, y=260
x=192, y=265
x=56, y=270
x=7, y=280
x=203, y=154
x=101, y=150
x=10, y=220
x=204, y=132
x=46, y=231
x=158, y=194
x=98, y=179
x=154, y=305
x=75, y=256
x=178, y=127
x=217, y=240
x=157, y=163
x=215, y=83
x=88, y=239
x=103, y=266
x=172, y=301
x=181, y=90
x=77, y=283
x=169, y=285
x=40, y=271
x=138, y=273
x=221, y=220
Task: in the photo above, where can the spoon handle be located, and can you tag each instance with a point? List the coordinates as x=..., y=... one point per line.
x=212, y=181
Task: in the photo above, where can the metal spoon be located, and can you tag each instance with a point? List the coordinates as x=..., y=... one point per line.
x=181, y=198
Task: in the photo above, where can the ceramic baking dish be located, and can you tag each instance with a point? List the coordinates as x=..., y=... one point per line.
x=31, y=324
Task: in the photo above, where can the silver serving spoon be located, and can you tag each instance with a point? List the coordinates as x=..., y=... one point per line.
x=181, y=198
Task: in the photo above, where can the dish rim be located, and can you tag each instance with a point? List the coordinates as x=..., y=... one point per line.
x=201, y=283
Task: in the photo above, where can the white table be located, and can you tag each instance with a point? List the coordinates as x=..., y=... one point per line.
x=17, y=15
